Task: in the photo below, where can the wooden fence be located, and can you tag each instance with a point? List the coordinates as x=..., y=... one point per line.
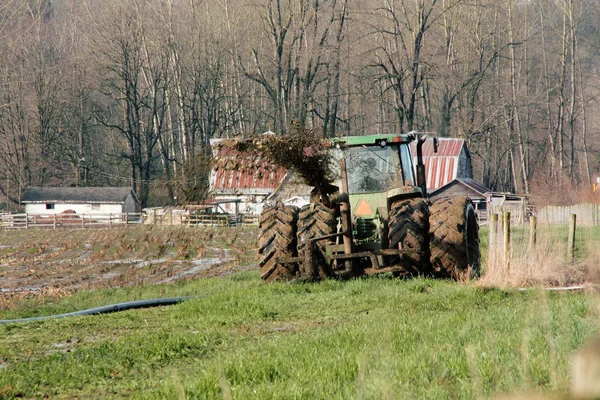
x=53, y=221
x=587, y=214
x=171, y=218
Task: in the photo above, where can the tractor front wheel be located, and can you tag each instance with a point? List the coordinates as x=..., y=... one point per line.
x=408, y=226
x=454, y=238
x=276, y=241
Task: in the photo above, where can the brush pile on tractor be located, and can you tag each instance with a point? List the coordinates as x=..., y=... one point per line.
x=373, y=217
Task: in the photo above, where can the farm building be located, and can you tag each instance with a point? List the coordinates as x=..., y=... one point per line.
x=465, y=187
x=290, y=191
x=518, y=206
x=82, y=200
x=243, y=178
x=452, y=161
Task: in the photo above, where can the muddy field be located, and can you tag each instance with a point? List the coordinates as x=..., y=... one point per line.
x=75, y=259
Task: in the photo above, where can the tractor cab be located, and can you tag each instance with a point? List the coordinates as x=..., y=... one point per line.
x=378, y=168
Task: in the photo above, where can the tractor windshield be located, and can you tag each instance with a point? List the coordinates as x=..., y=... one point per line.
x=376, y=169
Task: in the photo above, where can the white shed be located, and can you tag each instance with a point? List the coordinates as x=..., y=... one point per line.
x=82, y=200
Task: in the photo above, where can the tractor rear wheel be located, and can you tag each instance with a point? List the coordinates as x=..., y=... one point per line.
x=277, y=240
x=408, y=226
x=317, y=220
x=454, y=238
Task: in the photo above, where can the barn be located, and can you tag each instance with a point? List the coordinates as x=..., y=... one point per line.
x=452, y=161
x=465, y=187
x=291, y=191
x=245, y=179
x=82, y=200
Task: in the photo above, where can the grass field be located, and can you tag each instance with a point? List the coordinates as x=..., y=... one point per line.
x=367, y=338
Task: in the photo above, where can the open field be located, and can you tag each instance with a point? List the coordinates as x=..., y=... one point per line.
x=76, y=259
x=367, y=338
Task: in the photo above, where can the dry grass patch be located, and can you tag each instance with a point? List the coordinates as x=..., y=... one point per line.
x=546, y=263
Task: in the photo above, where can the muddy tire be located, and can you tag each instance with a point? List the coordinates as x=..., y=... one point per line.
x=408, y=227
x=454, y=238
x=277, y=240
x=316, y=220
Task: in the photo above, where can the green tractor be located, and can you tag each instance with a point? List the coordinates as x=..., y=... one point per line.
x=373, y=218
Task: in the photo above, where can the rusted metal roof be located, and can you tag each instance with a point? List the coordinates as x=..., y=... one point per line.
x=242, y=172
x=441, y=167
x=447, y=147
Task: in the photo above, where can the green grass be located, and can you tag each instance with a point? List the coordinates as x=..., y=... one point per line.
x=367, y=338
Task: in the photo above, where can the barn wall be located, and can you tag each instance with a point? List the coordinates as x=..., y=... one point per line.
x=40, y=209
x=249, y=204
x=130, y=205
x=37, y=209
x=464, y=169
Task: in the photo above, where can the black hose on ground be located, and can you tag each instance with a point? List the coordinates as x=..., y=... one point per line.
x=130, y=305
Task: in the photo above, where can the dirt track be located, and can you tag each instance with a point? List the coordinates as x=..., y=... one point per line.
x=75, y=259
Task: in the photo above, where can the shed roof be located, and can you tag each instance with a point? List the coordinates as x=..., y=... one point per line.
x=243, y=172
x=441, y=167
x=468, y=182
x=36, y=194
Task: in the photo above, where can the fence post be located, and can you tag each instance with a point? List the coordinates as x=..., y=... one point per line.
x=171, y=217
x=82, y=220
x=532, y=232
x=26, y=221
x=154, y=217
x=506, y=226
x=493, y=242
x=54, y=221
x=126, y=218
x=110, y=220
x=571, y=243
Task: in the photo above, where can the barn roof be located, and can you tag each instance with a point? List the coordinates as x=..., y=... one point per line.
x=36, y=194
x=472, y=184
x=441, y=167
x=242, y=172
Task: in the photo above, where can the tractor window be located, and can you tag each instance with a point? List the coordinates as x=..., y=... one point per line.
x=372, y=169
x=407, y=167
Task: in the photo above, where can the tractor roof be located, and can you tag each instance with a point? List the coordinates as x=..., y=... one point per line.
x=372, y=139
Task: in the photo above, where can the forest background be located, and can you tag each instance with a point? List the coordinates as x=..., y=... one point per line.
x=129, y=92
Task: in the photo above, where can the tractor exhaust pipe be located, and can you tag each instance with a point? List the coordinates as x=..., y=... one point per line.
x=420, y=167
x=421, y=179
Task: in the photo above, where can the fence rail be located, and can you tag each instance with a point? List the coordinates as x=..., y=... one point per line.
x=53, y=221
x=587, y=214
x=174, y=218
x=25, y=221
